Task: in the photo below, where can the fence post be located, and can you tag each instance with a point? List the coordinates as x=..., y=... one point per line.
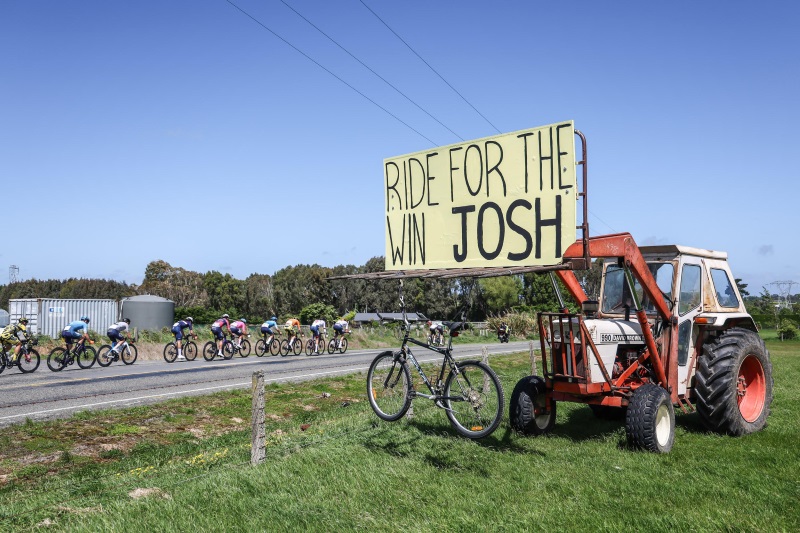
x=533, y=358
x=485, y=360
x=259, y=435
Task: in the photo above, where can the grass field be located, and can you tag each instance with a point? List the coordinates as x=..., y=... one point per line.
x=333, y=466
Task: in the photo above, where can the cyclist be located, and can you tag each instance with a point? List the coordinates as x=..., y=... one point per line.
x=437, y=332
x=292, y=327
x=216, y=329
x=76, y=330
x=267, y=331
x=503, y=332
x=238, y=328
x=15, y=334
x=340, y=327
x=178, y=333
x=317, y=327
x=118, y=333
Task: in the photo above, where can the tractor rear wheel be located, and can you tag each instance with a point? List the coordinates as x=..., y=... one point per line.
x=527, y=409
x=650, y=420
x=734, y=383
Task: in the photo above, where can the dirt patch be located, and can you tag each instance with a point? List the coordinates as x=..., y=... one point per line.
x=137, y=494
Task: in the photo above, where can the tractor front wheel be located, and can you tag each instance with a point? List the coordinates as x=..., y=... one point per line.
x=528, y=409
x=734, y=383
x=650, y=420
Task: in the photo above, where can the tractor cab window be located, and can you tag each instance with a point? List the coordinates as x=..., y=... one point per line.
x=616, y=294
x=726, y=296
x=690, y=288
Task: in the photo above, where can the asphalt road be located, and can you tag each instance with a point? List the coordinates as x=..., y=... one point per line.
x=45, y=395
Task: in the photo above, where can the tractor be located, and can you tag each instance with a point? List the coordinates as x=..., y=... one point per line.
x=669, y=330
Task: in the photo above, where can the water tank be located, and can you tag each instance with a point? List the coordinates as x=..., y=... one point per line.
x=4, y=318
x=148, y=312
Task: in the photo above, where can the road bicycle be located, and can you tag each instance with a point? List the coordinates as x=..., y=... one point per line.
x=60, y=357
x=338, y=343
x=126, y=350
x=189, y=350
x=291, y=345
x=243, y=347
x=315, y=349
x=210, y=350
x=27, y=360
x=471, y=395
x=268, y=344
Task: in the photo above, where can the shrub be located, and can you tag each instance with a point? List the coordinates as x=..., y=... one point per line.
x=318, y=310
x=787, y=330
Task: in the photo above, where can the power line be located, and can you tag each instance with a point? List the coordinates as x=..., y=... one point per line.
x=401, y=93
x=430, y=67
x=251, y=17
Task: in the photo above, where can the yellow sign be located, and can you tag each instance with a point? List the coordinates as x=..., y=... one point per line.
x=508, y=200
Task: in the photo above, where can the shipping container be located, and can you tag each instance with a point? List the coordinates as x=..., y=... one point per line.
x=4, y=318
x=48, y=316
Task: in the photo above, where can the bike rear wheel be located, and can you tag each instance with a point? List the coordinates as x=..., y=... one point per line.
x=170, y=352
x=56, y=359
x=28, y=364
x=474, y=399
x=261, y=347
x=104, y=355
x=285, y=348
x=274, y=347
x=129, y=354
x=87, y=357
x=331, y=346
x=389, y=386
x=227, y=349
x=210, y=351
x=245, y=349
x=190, y=350
x=297, y=347
x=310, y=346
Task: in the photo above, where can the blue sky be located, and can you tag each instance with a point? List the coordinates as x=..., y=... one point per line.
x=187, y=132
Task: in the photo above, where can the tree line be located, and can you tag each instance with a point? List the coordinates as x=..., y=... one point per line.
x=291, y=289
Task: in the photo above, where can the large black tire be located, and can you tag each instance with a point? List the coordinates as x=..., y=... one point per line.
x=55, y=359
x=389, y=386
x=650, y=420
x=210, y=351
x=170, y=352
x=104, y=355
x=87, y=357
x=130, y=354
x=474, y=400
x=733, y=383
x=190, y=350
x=28, y=366
x=527, y=410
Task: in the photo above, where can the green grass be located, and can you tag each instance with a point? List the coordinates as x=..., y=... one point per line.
x=333, y=466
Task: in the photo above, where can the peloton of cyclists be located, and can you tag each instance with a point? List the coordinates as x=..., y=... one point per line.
x=318, y=327
x=178, y=330
x=217, y=327
x=15, y=335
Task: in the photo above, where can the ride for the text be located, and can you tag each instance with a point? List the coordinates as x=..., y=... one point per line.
x=507, y=200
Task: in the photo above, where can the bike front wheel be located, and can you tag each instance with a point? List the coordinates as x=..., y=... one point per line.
x=30, y=363
x=389, y=386
x=87, y=357
x=190, y=351
x=343, y=345
x=104, y=355
x=129, y=354
x=56, y=359
x=210, y=351
x=473, y=397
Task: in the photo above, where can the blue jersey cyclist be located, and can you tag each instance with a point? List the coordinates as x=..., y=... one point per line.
x=179, y=332
x=217, y=327
x=270, y=327
x=77, y=330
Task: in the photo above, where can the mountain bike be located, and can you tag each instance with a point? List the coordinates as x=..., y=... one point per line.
x=338, y=343
x=126, y=349
x=27, y=360
x=60, y=357
x=471, y=395
x=315, y=349
x=268, y=344
x=291, y=345
x=189, y=350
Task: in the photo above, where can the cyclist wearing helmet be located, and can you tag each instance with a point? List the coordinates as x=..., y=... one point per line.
x=118, y=333
x=292, y=327
x=76, y=330
x=340, y=327
x=15, y=335
x=217, y=327
x=238, y=328
x=318, y=327
x=266, y=327
x=177, y=331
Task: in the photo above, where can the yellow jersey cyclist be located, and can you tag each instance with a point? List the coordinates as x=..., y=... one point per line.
x=14, y=335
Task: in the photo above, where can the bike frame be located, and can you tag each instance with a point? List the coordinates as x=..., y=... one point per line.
x=447, y=362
